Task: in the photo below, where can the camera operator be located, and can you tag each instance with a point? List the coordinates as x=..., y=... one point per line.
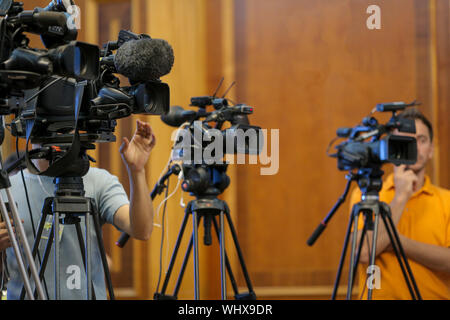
x=421, y=213
x=134, y=216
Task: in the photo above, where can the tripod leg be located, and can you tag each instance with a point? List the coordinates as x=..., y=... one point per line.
x=185, y=261
x=43, y=266
x=17, y=252
x=222, y=257
x=352, y=256
x=88, y=257
x=56, y=253
x=227, y=262
x=45, y=211
x=358, y=254
x=183, y=267
x=103, y=257
x=82, y=247
x=400, y=254
x=35, y=248
x=342, y=259
x=39, y=234
x=196, y=260
x=239, y=252
x=174, y=254
x=26, y=248
x=374, y=248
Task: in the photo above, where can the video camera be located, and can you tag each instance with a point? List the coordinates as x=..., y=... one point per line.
x=69, y=91
x=202, y=143
x=371, y=144
x=201, y=138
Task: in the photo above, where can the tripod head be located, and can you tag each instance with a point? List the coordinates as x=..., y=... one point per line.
x=205, y=181
x=369, y=181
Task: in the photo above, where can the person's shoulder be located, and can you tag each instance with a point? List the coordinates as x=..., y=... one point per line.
x=94, y=172
x=100, y=176
x=444, y=192
x=16, y=180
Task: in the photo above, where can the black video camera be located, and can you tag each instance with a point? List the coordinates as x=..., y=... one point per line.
x=202, y=143
x=371, y=144
x=69, y=90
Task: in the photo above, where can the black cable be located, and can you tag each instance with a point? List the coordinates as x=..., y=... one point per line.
x=44, y=88
x=25, y=189
x=162, y=235
x=30, y=211
x=3, y=36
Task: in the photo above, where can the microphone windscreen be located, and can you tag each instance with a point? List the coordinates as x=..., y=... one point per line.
x=144, y=59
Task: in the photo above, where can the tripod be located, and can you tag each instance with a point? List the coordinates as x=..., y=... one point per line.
x=370, y=183
x=206, y=206
x=5, y=185
x=67, y=207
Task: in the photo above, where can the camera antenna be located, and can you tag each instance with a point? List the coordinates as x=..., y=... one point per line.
x=217, y=90
x=229, y=88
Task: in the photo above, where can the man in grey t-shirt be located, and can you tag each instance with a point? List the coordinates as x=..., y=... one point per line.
x=134, y=216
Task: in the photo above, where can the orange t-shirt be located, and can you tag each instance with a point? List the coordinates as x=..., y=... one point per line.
x=426, y=218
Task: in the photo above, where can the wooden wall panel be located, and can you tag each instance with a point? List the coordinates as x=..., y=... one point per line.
x=442, y=47
x=309, y=67
x=111, y=18
x=184, y=24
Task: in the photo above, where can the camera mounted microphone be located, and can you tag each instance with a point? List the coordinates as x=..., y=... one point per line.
x=144, y=60
x=177, y=116
x=51, y=25
x=40, y=22
x=124, y=36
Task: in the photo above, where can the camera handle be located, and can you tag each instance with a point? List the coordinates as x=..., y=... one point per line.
x=323, y=224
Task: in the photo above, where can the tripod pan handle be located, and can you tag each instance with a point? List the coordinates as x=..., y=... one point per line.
x=122, y=240
x=316, y=234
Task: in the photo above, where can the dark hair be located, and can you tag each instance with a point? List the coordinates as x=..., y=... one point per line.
x=414, y=113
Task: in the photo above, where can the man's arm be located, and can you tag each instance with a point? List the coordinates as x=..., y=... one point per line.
x=397, y=206
x=431, y=256
x=136, y=219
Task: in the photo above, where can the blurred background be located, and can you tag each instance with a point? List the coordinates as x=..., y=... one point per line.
x=307, y=68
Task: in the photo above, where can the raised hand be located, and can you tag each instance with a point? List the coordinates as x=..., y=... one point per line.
x=135, y=153
x=405, y=181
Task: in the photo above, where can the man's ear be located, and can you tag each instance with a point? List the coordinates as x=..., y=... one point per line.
x=430, y=154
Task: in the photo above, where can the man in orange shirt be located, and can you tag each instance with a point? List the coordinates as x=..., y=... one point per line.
x=421, y=214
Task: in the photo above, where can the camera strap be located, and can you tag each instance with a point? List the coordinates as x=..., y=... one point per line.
x=60, y=165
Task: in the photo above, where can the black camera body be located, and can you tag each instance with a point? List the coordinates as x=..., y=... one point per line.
x=202, y=139
x=371, y=144
x=69, y=91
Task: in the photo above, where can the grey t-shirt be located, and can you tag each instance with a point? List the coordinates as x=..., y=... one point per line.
x=108, y=195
